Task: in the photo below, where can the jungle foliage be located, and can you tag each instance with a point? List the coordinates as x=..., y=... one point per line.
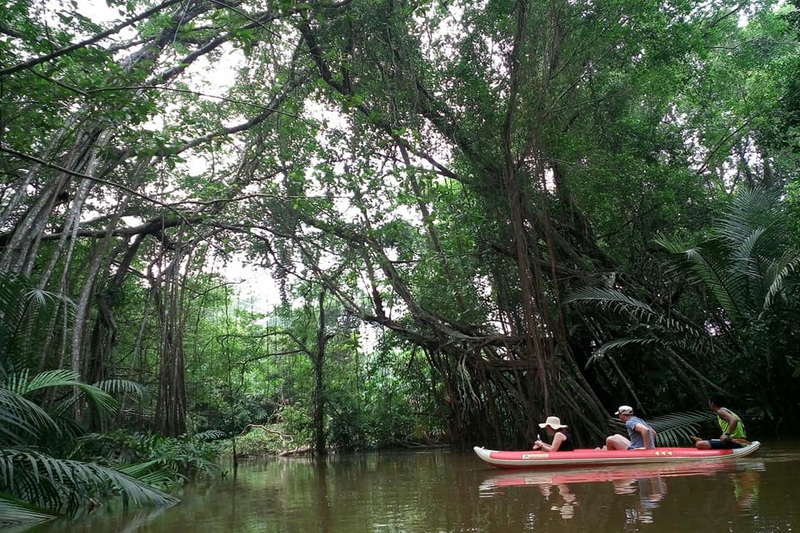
x=459, y=217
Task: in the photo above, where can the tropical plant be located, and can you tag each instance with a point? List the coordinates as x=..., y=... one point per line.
x=172, y=459
x=17, y=513
x=442, y=171
x=744, y=276
x=28, y=470
x=37, y=430
x=677, y=429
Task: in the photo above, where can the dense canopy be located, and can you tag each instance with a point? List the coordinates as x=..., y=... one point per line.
x=477, y=214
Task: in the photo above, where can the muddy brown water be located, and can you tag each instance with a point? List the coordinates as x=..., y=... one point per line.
x=442, y=491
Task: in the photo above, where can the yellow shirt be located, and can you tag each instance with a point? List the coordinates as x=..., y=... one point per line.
x=738, y=433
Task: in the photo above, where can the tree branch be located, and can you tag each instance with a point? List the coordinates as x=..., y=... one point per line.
x=99, y=37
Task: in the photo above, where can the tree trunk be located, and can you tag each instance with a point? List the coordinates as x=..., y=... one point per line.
x=319, y=383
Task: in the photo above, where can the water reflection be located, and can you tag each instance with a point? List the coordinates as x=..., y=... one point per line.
x=640, y=489
x=566, y=507
x=650, y=490
x=745, y=488
x=439, y=491
x=594, y=475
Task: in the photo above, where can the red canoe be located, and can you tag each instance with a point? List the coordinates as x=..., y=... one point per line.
x=537, y=459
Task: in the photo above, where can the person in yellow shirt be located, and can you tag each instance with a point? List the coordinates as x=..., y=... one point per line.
x=732, y=427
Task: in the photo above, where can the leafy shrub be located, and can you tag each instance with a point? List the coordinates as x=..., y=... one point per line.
x=177, y=459
x=260, y=440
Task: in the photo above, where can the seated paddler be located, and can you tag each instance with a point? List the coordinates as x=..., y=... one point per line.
x=560, y=440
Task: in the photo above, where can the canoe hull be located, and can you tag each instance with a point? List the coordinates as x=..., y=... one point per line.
x=587, y=457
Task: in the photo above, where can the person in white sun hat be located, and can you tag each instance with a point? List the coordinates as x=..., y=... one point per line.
x=640, y=434
x=559, y=437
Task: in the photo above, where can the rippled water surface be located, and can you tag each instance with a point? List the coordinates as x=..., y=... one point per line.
x=440, y=491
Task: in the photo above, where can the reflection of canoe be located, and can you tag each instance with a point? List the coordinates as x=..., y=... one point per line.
x=609, y=473
x=537, y=459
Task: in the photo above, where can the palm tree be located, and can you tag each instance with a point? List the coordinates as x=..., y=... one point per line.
x=744, y=274
x=35, y=426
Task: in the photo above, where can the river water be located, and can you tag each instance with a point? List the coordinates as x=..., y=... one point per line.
x=442, y=491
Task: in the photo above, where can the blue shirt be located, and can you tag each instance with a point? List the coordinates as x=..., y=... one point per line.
x=636, y=438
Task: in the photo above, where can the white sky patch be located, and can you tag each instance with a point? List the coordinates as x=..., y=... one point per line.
x=255, y=288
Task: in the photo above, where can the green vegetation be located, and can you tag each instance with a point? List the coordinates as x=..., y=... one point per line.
x=474, y=215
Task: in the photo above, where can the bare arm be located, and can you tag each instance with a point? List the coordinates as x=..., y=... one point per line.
x=730, y=419
x=644, y=431
x=558, y=438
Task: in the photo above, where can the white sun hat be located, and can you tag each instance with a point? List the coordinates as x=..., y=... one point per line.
x=554, y=422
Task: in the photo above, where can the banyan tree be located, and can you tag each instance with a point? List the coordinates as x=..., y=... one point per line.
x=449, y=171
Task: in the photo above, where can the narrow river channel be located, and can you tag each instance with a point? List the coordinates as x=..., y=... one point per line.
x=442, y=491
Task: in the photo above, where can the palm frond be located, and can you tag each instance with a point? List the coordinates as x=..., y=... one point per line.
x=68, y=378
x=683, y=329
x=46, y=379
x=676, y=429
x=749, y=209
x=777, y=273
x=16, y=513
x=12, y=291
x=22, y=420
x=74, y=480
x=675, y=245
x=614, y=300
x=611, y=299
x=139, y=469
x=210, y=435
x=21, y=306
x=744, y=255
x=121, y=386
x=727, y=287
x=617, y=343
x=12, y=311
x=152, y=473
x=44, y=298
